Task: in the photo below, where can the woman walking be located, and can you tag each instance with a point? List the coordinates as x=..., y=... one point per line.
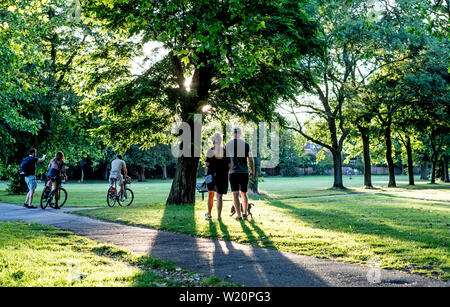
x=217, y=163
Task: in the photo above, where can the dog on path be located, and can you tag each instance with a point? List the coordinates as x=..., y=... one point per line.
x=249, y=208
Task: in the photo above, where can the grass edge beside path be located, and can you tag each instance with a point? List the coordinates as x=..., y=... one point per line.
x=36, y=255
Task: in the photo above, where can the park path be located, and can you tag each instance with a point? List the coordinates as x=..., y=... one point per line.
x=242, y=264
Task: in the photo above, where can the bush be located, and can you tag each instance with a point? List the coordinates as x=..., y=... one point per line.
x=16, y=184
x=289, y=168
x=325, y=164
x=307, y=160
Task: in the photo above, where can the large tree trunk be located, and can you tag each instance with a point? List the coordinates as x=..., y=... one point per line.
x=445, y=176
x=366, y=153
x=410, y=161
x=389, y=159
x=337, y=166
x=185, y=179
x=184, y=182
x=424, y=171
x=82, y=174
x=141, y=174
x=433, y=170
x=164, y=169
x=254, y=183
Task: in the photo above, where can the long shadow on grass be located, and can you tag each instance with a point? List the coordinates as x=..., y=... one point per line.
x=343, y=221
x=247, y=265
x=433, y=202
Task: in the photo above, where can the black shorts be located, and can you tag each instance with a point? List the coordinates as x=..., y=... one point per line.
x=239, y=182
x=219, y=186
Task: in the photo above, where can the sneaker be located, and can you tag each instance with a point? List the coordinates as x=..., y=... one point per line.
x=25, y=205
x=32, y=207
x=208, y=216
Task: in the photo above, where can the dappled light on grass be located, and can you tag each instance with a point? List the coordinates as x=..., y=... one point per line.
x=36, y=255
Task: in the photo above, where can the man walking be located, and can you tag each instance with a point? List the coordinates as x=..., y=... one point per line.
x=239, y=152
x=28, y=170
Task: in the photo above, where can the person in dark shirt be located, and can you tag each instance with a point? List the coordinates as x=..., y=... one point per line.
x=239, y=153
x=217, y=163
x=30, y=176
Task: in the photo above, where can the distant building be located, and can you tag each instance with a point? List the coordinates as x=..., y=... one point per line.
x=311, y=148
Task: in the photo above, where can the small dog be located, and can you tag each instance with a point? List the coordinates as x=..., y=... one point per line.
x=249, y=207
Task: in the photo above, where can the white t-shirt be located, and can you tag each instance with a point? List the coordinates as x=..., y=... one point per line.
x=117, y=166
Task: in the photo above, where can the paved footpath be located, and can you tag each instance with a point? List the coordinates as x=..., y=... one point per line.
x=242, y=264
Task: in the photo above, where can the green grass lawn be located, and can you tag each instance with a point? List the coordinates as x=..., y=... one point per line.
x=36, y=255
x=93, y=193
x=403, y=228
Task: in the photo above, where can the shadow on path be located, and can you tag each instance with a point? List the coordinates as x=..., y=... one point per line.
x=244, y=265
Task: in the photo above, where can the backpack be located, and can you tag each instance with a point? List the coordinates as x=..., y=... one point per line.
x=25, y=167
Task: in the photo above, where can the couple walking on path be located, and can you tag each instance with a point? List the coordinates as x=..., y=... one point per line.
x=56, y=169
x=229, y=163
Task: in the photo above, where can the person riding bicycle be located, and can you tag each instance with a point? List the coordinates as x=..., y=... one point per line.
x=117, y=165
x=57, y=169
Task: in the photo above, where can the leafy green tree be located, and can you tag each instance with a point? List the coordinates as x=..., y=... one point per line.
x=46, y=48
x=159, y=155
x=340, y=73
x=233, y=52
x=19, y=75
x=290, y=154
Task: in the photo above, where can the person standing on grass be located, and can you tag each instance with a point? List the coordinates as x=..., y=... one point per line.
x=239, y=153
x=217, y=163
x=28, y=170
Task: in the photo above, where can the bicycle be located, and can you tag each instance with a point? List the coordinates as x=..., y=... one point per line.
x=112, y=196
x=48, y=193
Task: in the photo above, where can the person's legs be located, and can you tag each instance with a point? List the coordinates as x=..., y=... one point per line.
x=122, y=186
x=55, y=187
x=243, y=191
x=219, y=206
x=27, y=199
x=234, y=183
x=244, y=202
x=32, y=185
x=236, y=203
x=210, y=203
x=30, y=204
x=122, y=189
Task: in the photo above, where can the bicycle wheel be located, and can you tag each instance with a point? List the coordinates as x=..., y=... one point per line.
x=110, y=198
x=128, y=198
x=46, y=199
x=62, y=197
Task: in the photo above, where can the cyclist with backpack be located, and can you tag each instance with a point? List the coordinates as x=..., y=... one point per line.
x=28, y=170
